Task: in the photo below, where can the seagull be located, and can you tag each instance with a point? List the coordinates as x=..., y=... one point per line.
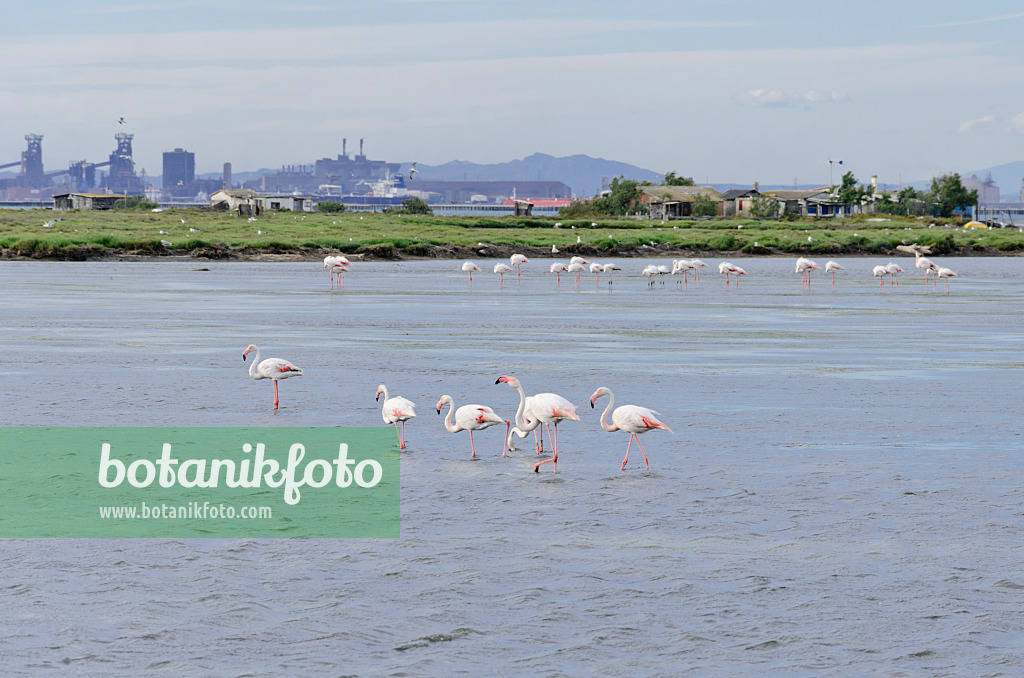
x=120, y=121
x=810, y=239
x=578, y=240
x=50, y=223
x=558, y=225
x=165, y=233
x=193, y=230
x=165, y=243
x=183, y=221
x=554, y=250
x=413, y=171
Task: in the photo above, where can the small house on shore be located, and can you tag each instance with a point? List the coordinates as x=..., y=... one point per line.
x=676, y=202
x=85, y=201
x=243, y=201
x=737, y=201
x=812, y=203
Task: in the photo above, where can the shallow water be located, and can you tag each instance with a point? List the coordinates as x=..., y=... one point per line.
x=840, y=494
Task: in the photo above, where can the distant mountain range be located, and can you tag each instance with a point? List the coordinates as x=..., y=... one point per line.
x=581, y=173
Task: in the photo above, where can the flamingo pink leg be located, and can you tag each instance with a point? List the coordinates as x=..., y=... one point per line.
x=275, y=394
x=554, y=459
x=471, y=445
x=504, y=447
x=633, y=437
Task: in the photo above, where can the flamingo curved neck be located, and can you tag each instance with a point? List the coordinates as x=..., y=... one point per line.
x=452, y=428
x=255, y=363
x=604, y=415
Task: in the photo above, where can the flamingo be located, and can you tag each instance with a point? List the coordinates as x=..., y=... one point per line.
x=271, y=368
x=558, y=268
x=547, y=408
x=469, y=267
x=394, y=410
x=832, y=267
x=731, y=269
x=697, y=265
x=518, y=260
x=880, y=273
x=925, y=263
x=945, y=274
x=608, y=268
x=804, y=267
x=337, y=265
x=502, y=269
x=579, y=260
x=597, y=268
x=630, y=418
x=577, y=270
x=892, y=268
x=470, y=418
x=525, y=423
x=649, y=272
x=682, y=266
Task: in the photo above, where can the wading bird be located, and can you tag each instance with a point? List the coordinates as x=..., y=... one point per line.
x=945, y=274
x=832, y=267
x=892, y=268
x=547, y=409
x=471, y=418
x=469, y=267
x=558, y=268
x=804, y=267
x=518, y=260
x=394, y=410
x=697, y=265
x=880, y=273
x=731, y=269
x=629, y=418
x=271, y=368
x=502, y=269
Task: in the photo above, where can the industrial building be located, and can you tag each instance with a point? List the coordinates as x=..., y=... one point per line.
x=179, y=175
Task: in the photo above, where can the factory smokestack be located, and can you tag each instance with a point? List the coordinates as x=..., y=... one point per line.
x=344, y=143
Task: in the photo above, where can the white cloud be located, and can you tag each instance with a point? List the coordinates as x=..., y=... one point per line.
x=982, y=20
x=1017, y=123
x=779, y=99
x=981, y=123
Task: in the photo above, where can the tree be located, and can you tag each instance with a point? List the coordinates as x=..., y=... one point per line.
x=672, y=180
x=849, y=193
x=704, y=206
x=948, y=194
x=136, y=202
x=764, y=206
x=415, y=206
x=330, y=206
x=624, y=195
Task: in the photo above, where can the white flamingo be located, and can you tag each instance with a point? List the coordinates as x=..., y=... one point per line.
x=470, y=418
x=923, y=262
x=892, y=268
x=697, y=265
x=649, y=272
x=682, y=266
x=832, y=267
x=880, y=273
x=558, y=268
x=608, y=268
x=945, y=274
x=804, y=267
x=518, y=260
x=629, y=418
x=548, y=408
x=394, y=410
x=271, y=368
x=731, y=269
x=469, y=267
x=501, y=269
x=576, y=270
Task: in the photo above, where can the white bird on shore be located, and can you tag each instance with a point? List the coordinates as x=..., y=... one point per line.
x=183, y=221
x=554, y=250
x=579, y=240
x=50, y=223
x=166, y=243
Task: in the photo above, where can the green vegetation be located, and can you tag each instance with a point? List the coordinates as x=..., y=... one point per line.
x=90, y=234
x=704, y=206
x=415, y=206
x=136, y=202
x=764, y=207
x=672, y=180
x=330, y=206
x=948, y=194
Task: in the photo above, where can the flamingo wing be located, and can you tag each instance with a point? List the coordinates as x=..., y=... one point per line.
x=637, y=419
x=276, y=368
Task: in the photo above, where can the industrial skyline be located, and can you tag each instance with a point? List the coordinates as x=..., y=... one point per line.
x=730, y=92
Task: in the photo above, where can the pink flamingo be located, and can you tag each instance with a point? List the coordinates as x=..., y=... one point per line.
x=576, y=270
x=925, y=263
x=630, y=418
x=502, y=269
x=682, y=266
x=547, y=408
x=394, y=410
x=597, y=268
x=608, y=268
x=832, y=267
x=271, y=368
x=880, y=273
x=892, y=268
x=728, y=268
x=469, y=267
x=518, y=260
x=470, y=418
x=336, y=265
x=945, y=274
x=697, y=265
x=804, y=267
x=558, y=268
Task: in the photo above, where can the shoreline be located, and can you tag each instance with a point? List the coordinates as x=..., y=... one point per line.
x=458, y=252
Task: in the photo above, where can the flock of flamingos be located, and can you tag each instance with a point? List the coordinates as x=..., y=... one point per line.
x=338, y=266
x=541, y=408
x=549, y=409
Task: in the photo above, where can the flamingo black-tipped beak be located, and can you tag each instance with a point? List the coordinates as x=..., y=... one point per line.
x=439, y=410
x=591, y=404
x=498, y=380
x=243, y=357
x=377, y=397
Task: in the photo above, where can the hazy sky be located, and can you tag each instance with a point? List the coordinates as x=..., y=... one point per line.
x=723, y=91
